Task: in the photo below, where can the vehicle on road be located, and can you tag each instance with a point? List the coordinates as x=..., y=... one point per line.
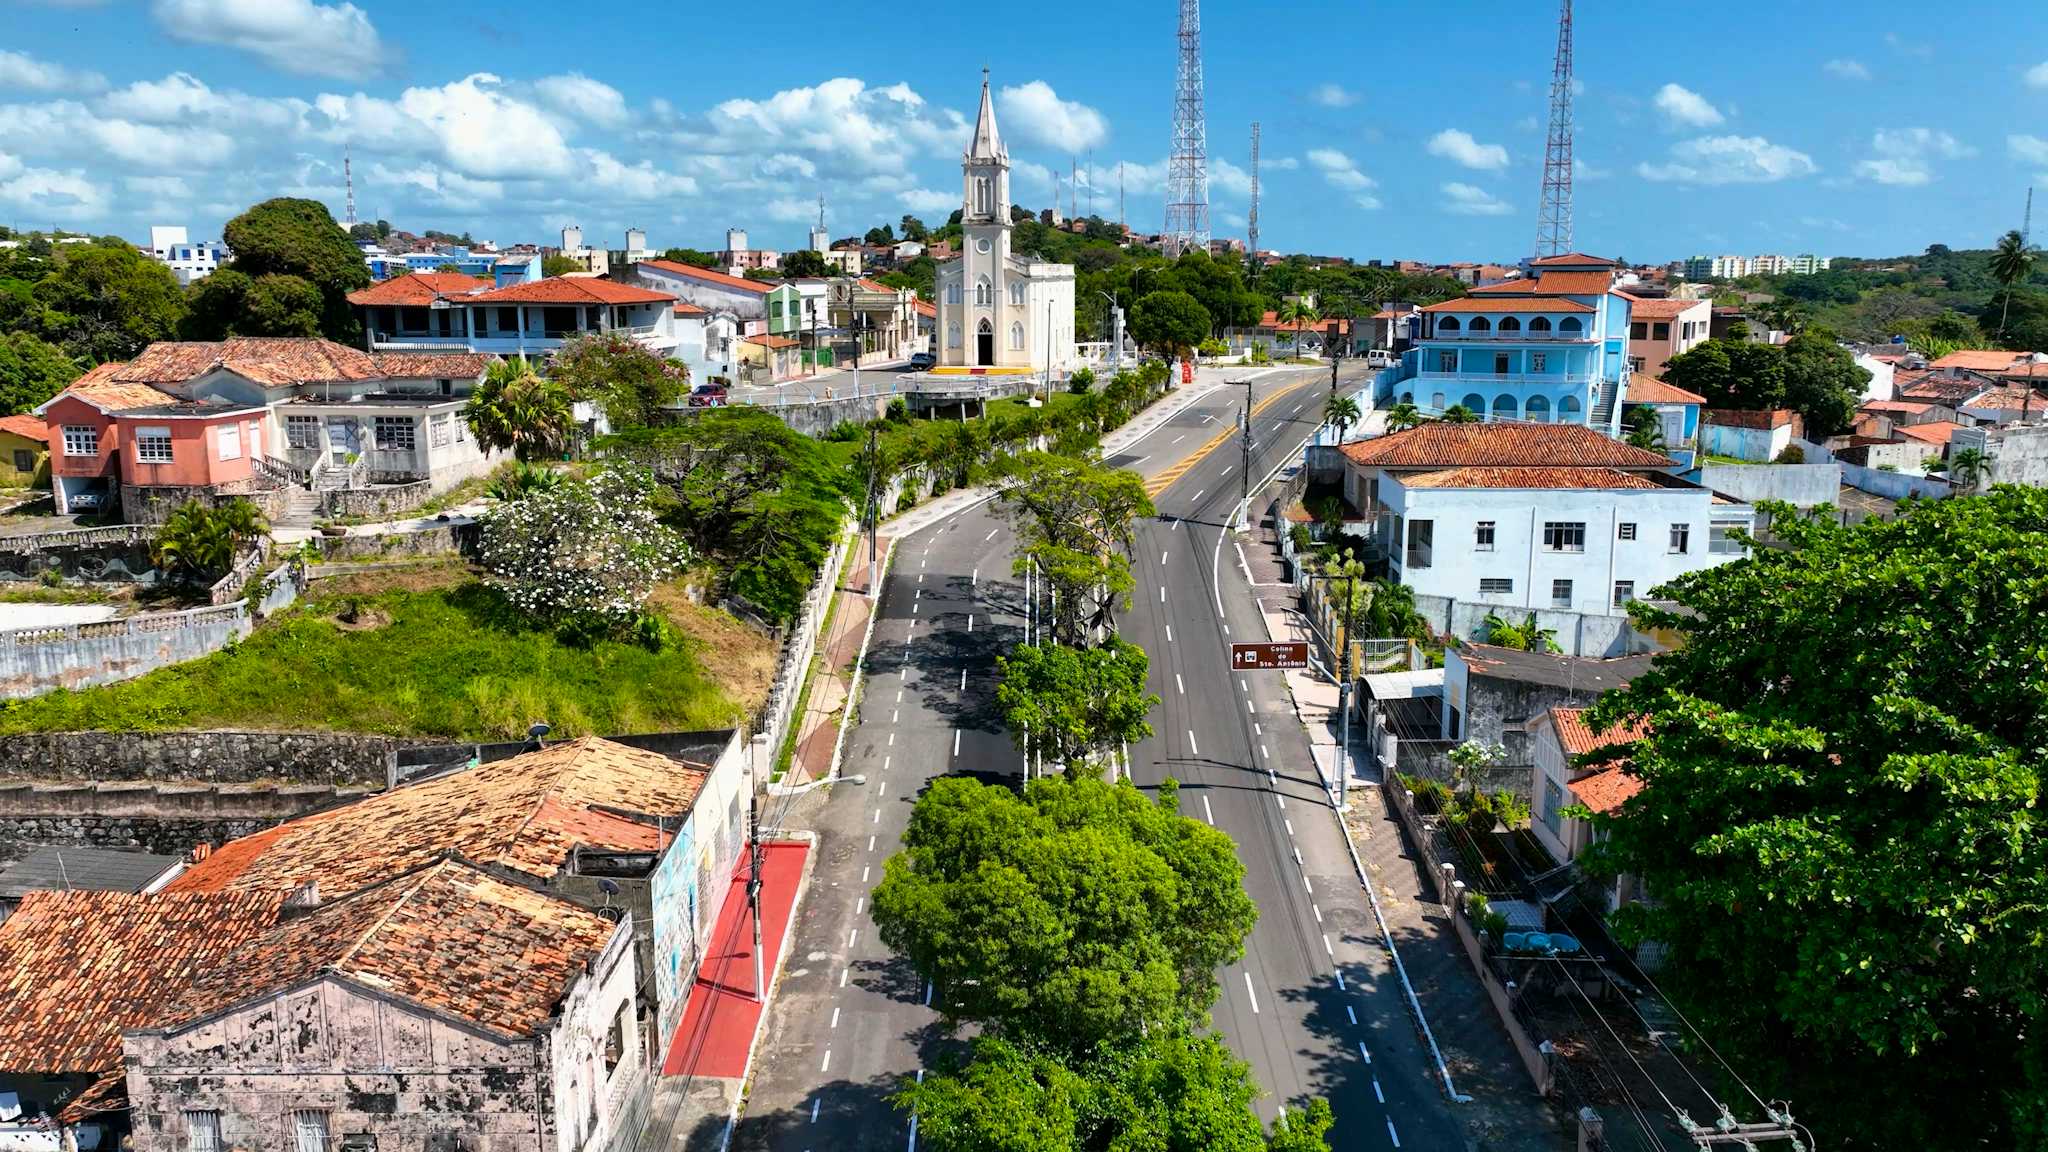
x=922, y=360
x=1379, y=358
x=708, y=396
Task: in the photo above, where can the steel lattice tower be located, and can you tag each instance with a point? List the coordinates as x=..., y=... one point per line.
x=1252, y=218
x=348, y=177
x=1554, y=218
x=1187, y=166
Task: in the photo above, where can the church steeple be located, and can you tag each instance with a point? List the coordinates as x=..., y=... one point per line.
x=987, y=144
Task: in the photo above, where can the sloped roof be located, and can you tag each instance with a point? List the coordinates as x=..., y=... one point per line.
x=1606, y=790
x=433, y=365
x=447, y=937
x=1443, y=445
x=25, y=425
x=707, y=275
x=1577, y=738
x=1554, y=284
x=1272, y=320
x=685, y=308
x=570, y=290
x=1909, y=407
x=1585, y=674
x=1979, y=359
x=1664, y=308
x=1650, y=390
x=768, y=340
x=272, y=361
x=925, y=307
x=2001, y=398
x=92, y=869
x=100, y=389
x=1932, y=432
x=1583, y=478
x=77, y=968
x=1569, y=259
x=527, y=813
x=1507, y=304
x=418, y=288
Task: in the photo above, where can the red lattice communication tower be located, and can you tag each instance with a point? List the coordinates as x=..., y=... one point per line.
x=1554, y=218
x=1187, y=167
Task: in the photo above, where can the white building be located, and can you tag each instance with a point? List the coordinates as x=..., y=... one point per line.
x=996, y=309
x=1807, y=264
x=1716, y=267
x=187, y=261
x=1531, y=517
x=595, y=261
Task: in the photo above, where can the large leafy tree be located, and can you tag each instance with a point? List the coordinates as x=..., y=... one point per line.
x=31, y=371
x=804, y=262
x=1076, y=916
x=107, y=302
x=582, y=555
x=513, y=409
x=1822, y=383
x=1074, y=705
x=1076, y=524
x=620, y=375
x=1170, y=321
x=1731, y=374
x=1842, y=824
x=296, y=237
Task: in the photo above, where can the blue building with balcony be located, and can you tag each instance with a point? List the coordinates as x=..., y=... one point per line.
x=1551, y=348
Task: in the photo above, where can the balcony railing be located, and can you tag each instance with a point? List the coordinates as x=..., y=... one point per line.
x=1541, y=379
x=1522, y=337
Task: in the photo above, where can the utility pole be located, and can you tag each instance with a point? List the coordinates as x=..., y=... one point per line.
x=1352, y=570
x=1245, y=473
x=1252, y=218
x=754, y=892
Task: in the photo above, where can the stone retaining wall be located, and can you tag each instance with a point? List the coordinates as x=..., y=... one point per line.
x=323, y=758
x=170, y=818
x=384, y=500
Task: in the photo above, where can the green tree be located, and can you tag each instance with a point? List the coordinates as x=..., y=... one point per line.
x=1343, y=412
x=1403, y=416
x=1843, y=825
x=1731, y=373
x=514, y=409
x=1822, y=383
x=383, y=229
x=364, y=233
x=1076, y=521
x=559, y=265
x=31, y=371
x=1967, y=465
x=2012, y=261
x=108, y=303
x=217, y=306
x=690, y=256
x=279, y=305
x=804, y=262
x=1645, y=429
x=1459, y=414
x=1301, y=315
x=293, y=237
x=584, y=555
x=619, y=374
x=1074, y=706
x=199, y=543
x=1077, y=915
x=880, y=235
x=912, y=228
x=1169, y=321
x=2028, y=327
x=1526, y=636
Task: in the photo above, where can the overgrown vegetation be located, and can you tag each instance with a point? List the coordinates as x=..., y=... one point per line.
x=199, y=543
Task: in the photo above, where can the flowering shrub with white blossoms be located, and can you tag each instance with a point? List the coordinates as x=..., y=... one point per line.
x=584, y=555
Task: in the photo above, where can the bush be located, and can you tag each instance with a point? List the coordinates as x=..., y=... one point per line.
x=1081, y=381
x=1299, y=534
x=200, y=543
x=583, y=556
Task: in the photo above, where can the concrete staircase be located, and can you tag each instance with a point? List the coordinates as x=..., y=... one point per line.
x=301, y=508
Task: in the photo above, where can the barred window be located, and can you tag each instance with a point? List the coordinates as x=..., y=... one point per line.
x=395, y=433
x=302, y=431
x=1496, y=586
x=202, y=1131
x=153, y=445
x=441, y=432
x=81, y=440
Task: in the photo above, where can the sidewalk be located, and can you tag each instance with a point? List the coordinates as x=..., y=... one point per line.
x=818, y=726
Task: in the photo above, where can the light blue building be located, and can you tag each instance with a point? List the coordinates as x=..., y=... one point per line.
x=384, y=266
x=1548, y=348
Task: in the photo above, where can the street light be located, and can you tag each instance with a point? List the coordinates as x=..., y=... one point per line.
x=1116, y=312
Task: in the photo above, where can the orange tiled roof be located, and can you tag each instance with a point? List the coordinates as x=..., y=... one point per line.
x=1979, y=360
x=1932, y=432
x=272, y=361
x=767, y=340
x=685, y=308
x=100, y=389
x=419, y=288
x=76, y=968
x=432, y=365
x=1555, y=284
x=1272, y=320
x=1568, y=259
x=2005, y=396
x=448, y=937
x=1557, y=477
x=527, y=813
x=1606, y=790
x=26, y=426
x=1507, y=304
x=1443, y=445
x=1650, y=390
x=1663, y=309
x=925, y=308
x=708, y=276
x=571, y=290
x=1577, y=738
x=1909, y=407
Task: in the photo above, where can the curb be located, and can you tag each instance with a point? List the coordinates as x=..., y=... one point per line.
x=803, y=886
x=860, y=662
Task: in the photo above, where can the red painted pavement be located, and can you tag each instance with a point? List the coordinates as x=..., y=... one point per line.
x=717, y=1028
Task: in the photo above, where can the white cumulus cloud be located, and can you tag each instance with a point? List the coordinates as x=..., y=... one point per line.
x=65, y=194
x=1459, y=147
x=1469, y=200
x=1906, y=156
x=1333, y=96
x=1843, y=69
x=2037, y=76
x=1686, y=108
x=291, y=35
x=927, y=200
x=20, y=70
x=1339, y=170
x=579, y=97
x=471, y=124
x=1729, y=160
x=1037, y=115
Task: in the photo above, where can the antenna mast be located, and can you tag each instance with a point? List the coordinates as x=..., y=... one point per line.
x=348, y=177
x=1554, y=219
x=1252, y=219
x=2027, y=221
x=1073, y=188
x=1187, y=166
x=821, y=211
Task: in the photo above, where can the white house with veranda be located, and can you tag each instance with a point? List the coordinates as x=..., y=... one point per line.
x=997, y=309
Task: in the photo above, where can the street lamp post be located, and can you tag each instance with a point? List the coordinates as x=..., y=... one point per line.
x=1116, y=348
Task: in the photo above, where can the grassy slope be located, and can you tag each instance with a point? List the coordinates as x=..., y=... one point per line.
x=441, y=658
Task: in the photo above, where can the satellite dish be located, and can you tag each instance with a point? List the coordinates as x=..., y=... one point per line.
x=608, y=886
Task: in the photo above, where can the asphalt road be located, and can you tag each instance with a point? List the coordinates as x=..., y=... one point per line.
x=1313, y=1005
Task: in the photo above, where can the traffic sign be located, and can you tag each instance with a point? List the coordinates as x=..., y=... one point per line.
x=1265, y=657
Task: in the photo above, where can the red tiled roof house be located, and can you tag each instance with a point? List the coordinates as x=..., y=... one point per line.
x=1560, y=743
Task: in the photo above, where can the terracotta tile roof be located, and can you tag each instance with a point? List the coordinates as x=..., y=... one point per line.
x=1908, y=407
x=76, y=968
x=99, y=389
x=707, y=275
x=419, y=288
x=1441, y=445
x=432, y=365
x=875, y=285
x=447, y=937
x=767, y=340
x=1606, y=790
x=1585, y=478
x=272, y=361
x=1650, y=390
x=1569, y=259
x=1272, y=320
x=570, y=290
x=1555, y=284
x=1979, y=359
x=527, y=813
x=2003, y=397
x=1577, y=738
x=27, y=426
x=926, y=308
x=1589, y=675
x=685, y=308
x=1507, y=304
x=1934, y=385
x=1664, y=309
x=1932, y=432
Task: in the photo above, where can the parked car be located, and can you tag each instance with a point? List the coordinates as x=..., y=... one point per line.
x=711, y=395
x=1379, y=358
x=922, y=360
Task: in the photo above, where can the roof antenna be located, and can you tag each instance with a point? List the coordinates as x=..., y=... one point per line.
x=535, y=732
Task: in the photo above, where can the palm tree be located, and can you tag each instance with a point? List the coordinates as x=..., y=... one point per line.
x=1528, y=636
x=1343, y=412
x=516, y=409
x=202, y=543
x=1301, y=316
x=1967, y=465
x=2011, y=262
x=1459, y=414
x=1403, y=416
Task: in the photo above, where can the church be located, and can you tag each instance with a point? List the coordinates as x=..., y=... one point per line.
x=998, y=311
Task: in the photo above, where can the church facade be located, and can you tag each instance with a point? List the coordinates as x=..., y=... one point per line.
x=996, y=309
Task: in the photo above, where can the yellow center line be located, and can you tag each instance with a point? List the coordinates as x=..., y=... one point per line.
x=1164, y=480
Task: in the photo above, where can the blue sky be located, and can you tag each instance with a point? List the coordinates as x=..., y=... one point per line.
x=1392, y=129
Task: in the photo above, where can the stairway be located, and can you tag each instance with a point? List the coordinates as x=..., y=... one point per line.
x=1603, y=404
x=301, y=508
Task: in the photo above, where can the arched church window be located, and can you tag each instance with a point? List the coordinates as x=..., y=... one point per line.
x=953, y=292
x=1017, y=292
x=984, y=292
x=1016, y=336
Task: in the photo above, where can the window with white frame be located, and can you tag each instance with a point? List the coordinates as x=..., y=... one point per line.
x=984, y=292
x=81, y=440
x=1496, y=586
x=202, y=1131
x=1016, y=336
x=302, y=431
x=1626, y=530
x=953, y=292
x=1553, y=803
x=1624, y=591
x=228, y=437
x=1681, y=539
x=1561, y=593
x=1482, y=536
x=309, y=1130
x=1017, y=292
x=1564, y=536
x=1721, y=540
x=395, y=433
x=152, y=445
x=441, y=433
x=255, y=439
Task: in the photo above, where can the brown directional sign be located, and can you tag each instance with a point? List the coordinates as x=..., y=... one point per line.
x=1261, y=657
